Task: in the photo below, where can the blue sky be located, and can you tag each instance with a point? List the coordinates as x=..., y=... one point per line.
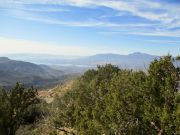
x=87, y=27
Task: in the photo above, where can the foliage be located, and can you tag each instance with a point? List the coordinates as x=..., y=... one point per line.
x=16, y=108
x=160, y=103
x=110, y=100
x=178, y=57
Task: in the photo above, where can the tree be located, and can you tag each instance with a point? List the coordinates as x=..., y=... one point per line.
x=178, y=57
x=161, y=92
x=14, y=107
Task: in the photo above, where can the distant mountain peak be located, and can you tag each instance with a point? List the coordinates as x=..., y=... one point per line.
x=131, y=54
x=3, y=59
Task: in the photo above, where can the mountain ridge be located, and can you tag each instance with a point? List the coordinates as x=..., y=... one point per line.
x=12, y=71
x=89, y=61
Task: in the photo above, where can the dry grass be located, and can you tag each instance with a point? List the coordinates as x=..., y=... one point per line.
x=48, y=95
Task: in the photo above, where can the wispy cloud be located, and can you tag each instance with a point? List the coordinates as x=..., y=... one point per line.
x=162, y=17
x=145, y=8
x=87, y=23
x=44, y=9
x=27, y=7
x=166, y=33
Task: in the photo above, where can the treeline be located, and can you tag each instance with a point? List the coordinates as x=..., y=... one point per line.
x=108, y=100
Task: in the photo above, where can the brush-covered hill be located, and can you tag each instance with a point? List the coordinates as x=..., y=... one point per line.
x=111, y=100
x=12, y=71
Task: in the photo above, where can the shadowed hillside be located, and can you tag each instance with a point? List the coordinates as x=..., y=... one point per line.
x=12, y=71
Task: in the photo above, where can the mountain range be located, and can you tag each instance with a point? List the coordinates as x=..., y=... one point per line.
x=135, y=60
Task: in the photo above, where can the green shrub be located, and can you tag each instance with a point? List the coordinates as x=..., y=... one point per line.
x=110, y=100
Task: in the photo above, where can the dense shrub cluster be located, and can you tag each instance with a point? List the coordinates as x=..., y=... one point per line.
x=113, y=101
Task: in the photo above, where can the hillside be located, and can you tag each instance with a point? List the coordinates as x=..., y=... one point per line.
x=48, y=95
x=12, y=71
x=110, y=100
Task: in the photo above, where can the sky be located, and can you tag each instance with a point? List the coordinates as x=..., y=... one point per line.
x=88, y=27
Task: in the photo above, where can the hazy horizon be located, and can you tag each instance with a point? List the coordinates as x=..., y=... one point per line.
x=48, y=54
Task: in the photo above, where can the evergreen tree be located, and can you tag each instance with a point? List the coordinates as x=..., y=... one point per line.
x=160, y=97
x=14, y=107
